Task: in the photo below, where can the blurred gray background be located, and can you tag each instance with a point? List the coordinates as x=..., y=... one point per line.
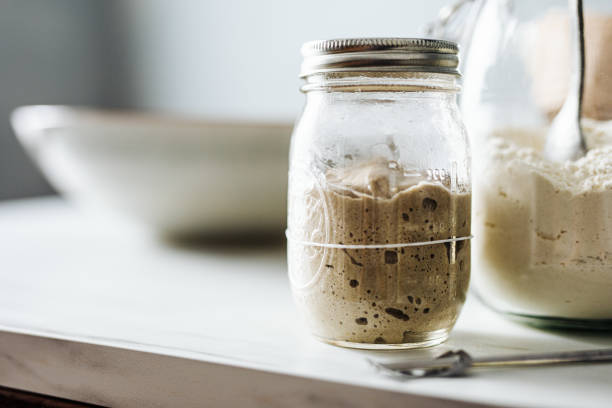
x=221, y=59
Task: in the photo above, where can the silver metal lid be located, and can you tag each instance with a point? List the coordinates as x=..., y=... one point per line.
x=380, y=55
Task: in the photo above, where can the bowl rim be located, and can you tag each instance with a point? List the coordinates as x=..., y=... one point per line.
x=35, y=118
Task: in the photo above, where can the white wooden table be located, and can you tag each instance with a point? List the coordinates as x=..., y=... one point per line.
x=99, y=313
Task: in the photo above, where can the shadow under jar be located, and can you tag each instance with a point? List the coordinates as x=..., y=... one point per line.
x=379, y=193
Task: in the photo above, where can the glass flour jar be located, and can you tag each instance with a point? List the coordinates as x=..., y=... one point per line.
x=543, y=246
x=379, y=193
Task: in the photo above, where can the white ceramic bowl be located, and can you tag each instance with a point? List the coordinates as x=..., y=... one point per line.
x=183, y=177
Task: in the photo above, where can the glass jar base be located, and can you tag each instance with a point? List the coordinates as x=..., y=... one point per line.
x=551, y=322
x=415, y=341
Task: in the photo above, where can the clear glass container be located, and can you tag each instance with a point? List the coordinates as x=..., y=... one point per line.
x=379, y=203
x=543, y=230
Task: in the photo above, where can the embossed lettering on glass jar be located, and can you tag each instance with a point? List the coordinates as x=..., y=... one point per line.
x=379, y=193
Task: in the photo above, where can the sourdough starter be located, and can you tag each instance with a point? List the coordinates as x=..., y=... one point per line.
x=379, y=295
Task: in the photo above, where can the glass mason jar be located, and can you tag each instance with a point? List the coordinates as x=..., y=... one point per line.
x=379, y=193
x=543, y=229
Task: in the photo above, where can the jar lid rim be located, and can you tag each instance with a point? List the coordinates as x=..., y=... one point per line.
x=341, y=45
x=380, y=54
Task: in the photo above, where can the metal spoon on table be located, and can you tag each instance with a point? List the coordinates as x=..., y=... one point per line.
x=457, y=363
x=565, y=140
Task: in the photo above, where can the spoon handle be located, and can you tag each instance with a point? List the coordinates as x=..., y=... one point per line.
x=576, y=20
x=564, y=357
x=565, y=140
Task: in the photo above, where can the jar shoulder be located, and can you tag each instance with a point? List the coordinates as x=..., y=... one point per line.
x=419, y=131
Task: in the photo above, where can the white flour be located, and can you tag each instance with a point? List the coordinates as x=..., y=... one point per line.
x=543, y=230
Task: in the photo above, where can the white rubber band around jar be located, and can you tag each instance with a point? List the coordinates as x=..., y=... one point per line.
x=374, y=246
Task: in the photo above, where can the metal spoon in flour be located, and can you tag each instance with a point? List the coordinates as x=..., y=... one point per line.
x=565, y=140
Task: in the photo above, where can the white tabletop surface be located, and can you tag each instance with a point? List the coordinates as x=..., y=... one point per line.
x=97, y=312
